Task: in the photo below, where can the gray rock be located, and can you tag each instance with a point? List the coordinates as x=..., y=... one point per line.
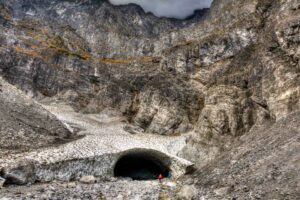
x=88, y=179
x=133, y=129
x=16, y=177
x=2, y=181
x=222, y=192
x=187, y=192
x=25, y=124
x=71, y=185
x=230, y=78
x=189, y=181
x=20, y=174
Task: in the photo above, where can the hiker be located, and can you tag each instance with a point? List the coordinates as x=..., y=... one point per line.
x=160, y=177
x=169, y=174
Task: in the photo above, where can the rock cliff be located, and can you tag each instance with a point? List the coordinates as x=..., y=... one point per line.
x=216, y=77
x=25, y=125
x=86, y=50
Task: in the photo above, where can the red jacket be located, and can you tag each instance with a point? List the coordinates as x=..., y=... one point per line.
x=160, y=177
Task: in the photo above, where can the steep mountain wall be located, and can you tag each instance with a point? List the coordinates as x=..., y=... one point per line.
x=219, y=75
x=94, y=60
x=228, y=78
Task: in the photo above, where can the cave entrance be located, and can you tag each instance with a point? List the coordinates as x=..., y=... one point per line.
x=141, y=166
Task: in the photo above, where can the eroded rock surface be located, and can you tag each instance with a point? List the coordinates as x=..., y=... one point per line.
x=25, y=125
x=263, y=164
x=158, y=72
x=216, y=79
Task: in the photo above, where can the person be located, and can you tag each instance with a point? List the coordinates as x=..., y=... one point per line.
x=169, y=174
x=160, y=177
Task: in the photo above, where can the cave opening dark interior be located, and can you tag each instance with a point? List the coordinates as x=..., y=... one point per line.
x=140, y=167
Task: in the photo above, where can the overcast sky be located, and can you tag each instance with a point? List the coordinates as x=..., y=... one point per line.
x=168, y=8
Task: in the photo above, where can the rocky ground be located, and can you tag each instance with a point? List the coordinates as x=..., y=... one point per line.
x=263, y=164
x=26, y=125
x=108, y=190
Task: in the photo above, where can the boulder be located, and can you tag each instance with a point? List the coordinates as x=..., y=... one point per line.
x=88, y=179
x=188, y=192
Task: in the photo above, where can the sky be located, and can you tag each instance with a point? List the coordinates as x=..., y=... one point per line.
x=168, y=8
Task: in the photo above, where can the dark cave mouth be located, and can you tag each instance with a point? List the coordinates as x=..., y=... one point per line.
x=140, y=167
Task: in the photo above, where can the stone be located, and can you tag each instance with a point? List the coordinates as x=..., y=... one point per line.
x=88, y=179
x=2, y=181
x=222, y=192
x=170, y=184
x=71, y=185
x=133, y=129
x=187, y=192
x=16, y=177
x=189, y=181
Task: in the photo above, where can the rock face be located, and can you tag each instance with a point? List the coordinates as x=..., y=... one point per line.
x=94, y=56
x=262, y=165
x=26, y=125
x=247, y=74
x=165, y=75
x=219, y=75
